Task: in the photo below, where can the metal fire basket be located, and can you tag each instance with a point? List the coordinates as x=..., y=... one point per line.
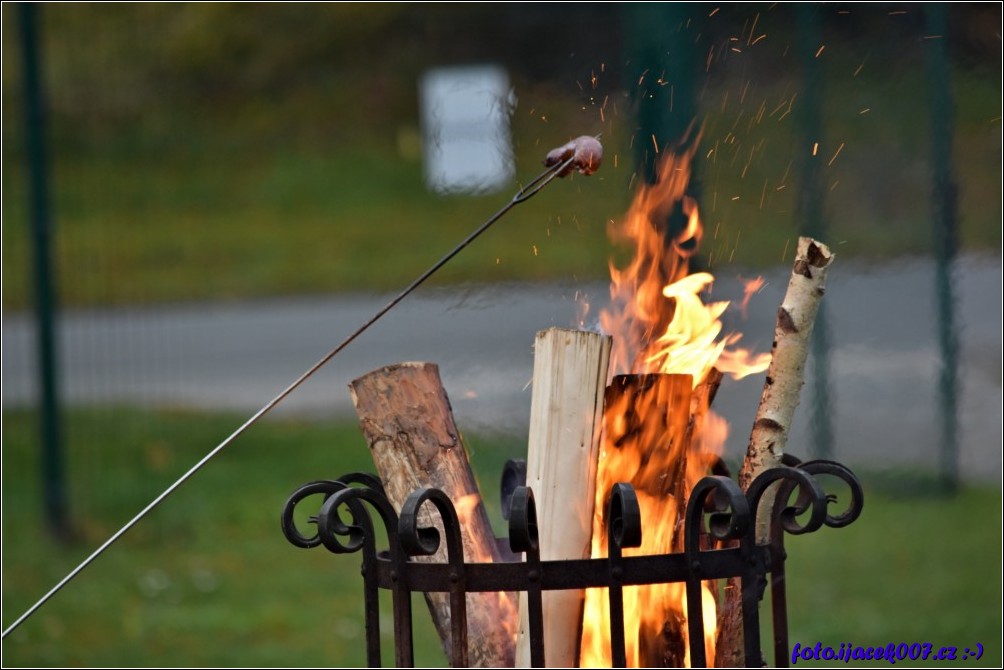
x=719, y=542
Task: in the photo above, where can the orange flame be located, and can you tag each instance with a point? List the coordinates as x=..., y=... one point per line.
x=659, y=434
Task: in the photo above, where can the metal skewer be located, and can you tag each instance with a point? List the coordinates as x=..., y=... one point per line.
x=570, y=161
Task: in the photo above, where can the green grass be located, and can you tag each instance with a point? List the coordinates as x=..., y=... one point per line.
x=208, y=580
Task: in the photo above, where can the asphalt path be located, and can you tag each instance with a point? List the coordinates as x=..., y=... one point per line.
x=884, y=360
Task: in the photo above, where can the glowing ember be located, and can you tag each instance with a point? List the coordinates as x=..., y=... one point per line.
x=659, y=433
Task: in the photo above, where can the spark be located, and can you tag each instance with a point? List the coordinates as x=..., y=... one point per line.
x=748, y=163
x=655, y=144
x=790, y=104
x=758, y=39
x=785, y=252
x=536, y=252
x=642, y=77
x=594, y=80
x=752, y=28
x=856, y=72
x=738, y=51
x=839, y=149
x=932, y=37
x=736, y=122
x=734, y=198
x=742, y=97
x=815, y=148
x=763, y=194
x=897, y=13
x=834, y=185
x=823, y=46
x=713, y=12
x=784, y=177
x=865, y=110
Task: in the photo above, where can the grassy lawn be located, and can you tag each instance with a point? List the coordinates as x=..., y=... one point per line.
x=184, y=197
x=208, y=580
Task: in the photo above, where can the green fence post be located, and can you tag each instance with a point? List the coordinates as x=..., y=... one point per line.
x=946, y=235
x=662, y=60
x=662, y=68
x=811, y=217
x=52, y=470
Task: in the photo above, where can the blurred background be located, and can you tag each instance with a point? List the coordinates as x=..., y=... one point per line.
x=199, y=201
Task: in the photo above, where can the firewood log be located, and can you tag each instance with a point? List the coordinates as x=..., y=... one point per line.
x=785, y=378
x=569, y=375
x=407, y=420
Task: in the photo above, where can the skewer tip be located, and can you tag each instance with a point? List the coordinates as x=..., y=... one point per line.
x=586, y=153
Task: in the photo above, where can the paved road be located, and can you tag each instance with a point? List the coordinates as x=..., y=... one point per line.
x=238, y=355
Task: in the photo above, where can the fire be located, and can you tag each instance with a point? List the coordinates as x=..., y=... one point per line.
x=659, y=434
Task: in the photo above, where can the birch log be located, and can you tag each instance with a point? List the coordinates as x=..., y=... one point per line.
x=769, y=437
x=569, y=376
x=407, y=420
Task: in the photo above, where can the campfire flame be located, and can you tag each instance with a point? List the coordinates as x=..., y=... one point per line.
x=659, y=434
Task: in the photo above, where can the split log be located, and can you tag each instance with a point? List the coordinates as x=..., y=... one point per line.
x=646, y=424
x=407, y=420
x=785, y=378
x=569, y=376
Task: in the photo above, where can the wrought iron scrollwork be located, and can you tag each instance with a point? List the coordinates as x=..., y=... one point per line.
x=723, y=500
x=810, y=498
x=719, y=541
x=513, y=476
x=524, y=538
x=425, y=541
x=327, y=488
x=857, y=501
x=623, y=532
x=728, y=513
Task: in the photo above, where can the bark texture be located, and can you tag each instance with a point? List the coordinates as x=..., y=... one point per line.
x=407, y=420
x=769, y=437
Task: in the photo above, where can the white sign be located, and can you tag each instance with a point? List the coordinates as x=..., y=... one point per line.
x=466, y=141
